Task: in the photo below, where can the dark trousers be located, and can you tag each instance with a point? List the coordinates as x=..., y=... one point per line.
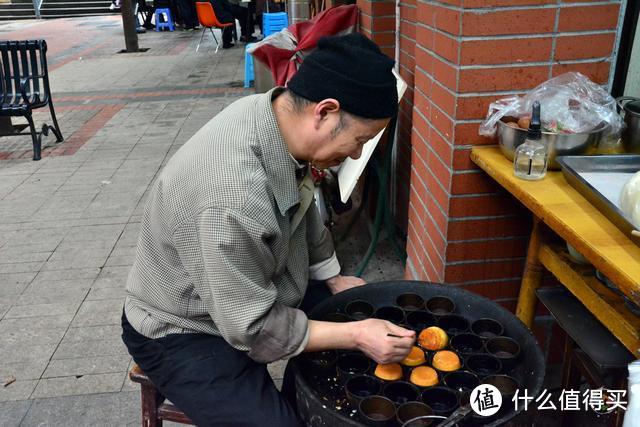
x=222, y=9
x=227, y=36
x=187, y=9
x=213, y=383
x=240, y=13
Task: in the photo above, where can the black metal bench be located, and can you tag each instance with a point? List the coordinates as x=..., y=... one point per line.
x=24, y=81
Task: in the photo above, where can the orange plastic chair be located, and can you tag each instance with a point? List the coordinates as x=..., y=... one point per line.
x=208, y=19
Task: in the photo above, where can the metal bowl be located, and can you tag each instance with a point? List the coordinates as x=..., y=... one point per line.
x=560, y=144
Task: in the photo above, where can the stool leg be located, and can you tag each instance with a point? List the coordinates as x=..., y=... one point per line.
x=618, y=418
x=570, y=375
x=570, y=372
x=150, y=399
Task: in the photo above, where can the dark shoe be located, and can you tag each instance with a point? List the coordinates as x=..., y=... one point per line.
x=140, y=30
x=228, y=45
x=250, y=39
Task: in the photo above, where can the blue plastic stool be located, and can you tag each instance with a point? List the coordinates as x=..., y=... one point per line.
x=168, y=21
x=248, y=67
x=274, y=22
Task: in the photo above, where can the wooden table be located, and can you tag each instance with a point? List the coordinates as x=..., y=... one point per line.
x=558, y=206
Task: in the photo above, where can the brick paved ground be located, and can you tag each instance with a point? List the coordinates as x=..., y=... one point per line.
x=69, y=223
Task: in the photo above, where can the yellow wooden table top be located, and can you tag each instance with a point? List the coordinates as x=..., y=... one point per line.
x=572, y=217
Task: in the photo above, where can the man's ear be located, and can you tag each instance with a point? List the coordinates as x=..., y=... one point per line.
x=323, y=108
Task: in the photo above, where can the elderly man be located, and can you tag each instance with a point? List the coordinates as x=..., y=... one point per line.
x=230, y=238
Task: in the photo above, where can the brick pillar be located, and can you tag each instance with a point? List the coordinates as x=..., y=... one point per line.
x=406, y=68
x=463, y=229
x=378, y=22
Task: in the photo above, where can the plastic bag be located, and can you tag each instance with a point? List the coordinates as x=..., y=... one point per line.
x=570, y=103
x=283, y=53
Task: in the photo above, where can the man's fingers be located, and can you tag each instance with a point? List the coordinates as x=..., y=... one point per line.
x=400, y=342
x=401, y=332
x=399, y=353
x=403, y=343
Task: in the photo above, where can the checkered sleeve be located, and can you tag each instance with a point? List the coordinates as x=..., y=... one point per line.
x=323, y=263
x=231, y=266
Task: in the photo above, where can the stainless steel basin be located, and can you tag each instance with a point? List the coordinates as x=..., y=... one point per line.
x=559, y=144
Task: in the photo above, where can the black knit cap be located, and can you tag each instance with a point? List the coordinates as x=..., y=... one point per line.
x=353, y=70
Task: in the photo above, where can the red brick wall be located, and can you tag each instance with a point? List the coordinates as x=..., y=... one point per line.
x=378, y=22
x=406, y=66
x=457, y=57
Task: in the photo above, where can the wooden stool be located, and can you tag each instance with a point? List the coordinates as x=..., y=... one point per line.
x=154, y=407
x=578, y=365
x=591, y=352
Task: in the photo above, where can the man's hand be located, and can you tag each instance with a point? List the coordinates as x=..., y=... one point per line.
x=342, y=283
x=374, y=340
x=380, y=340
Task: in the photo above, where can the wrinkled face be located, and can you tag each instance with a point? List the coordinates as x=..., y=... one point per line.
x=346, y=137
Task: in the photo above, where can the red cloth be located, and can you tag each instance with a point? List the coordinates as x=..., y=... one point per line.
x=284, y=63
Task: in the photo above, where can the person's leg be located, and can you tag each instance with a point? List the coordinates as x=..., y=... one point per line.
x=193, y=15
x=227, y=37
x=240, y=13
x=258, y=9
x=211, y=382
x=251, y=21
x=187, y=15
x=222, y=9
x=175, y=12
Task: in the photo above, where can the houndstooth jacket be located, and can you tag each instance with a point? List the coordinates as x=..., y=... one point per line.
x=216, y=253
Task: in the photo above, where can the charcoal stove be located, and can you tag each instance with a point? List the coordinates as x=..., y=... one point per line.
x=320, y=396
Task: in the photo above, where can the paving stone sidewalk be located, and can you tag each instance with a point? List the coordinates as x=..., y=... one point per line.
x=69, y=223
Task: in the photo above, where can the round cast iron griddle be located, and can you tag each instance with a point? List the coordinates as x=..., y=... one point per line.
x=529, y=371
